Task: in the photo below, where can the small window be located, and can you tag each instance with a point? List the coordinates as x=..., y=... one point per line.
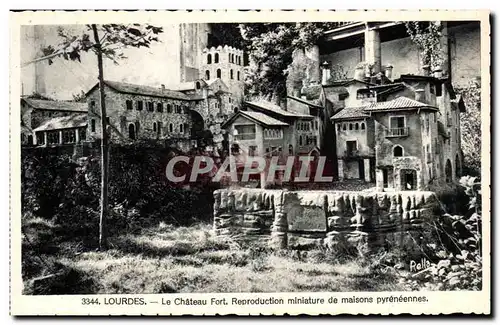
x=356, y=126
x=344, y=126
x=362, y=126
x=398, y=151
x=235, y=109
x=439, y=90
x=207, y=75
x=151, y=107
x=170, y=128
x=300, y=140
x=231, y=74
x=186, y=128
x=350, y=126
x=159, y=107
x=154, y=126
x=229, y=58
x=169, y=108
x=238, y=75
x=181, y=128
x=216, y=58
x=209, y=58
x=92, y=105
x=178, y=109
x=92, y=125
x=219, y=73
x=198, y=85
x=128, y=103
x=290, y=149
x=139, y=105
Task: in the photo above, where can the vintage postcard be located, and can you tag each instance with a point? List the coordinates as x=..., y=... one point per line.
x=250, y=162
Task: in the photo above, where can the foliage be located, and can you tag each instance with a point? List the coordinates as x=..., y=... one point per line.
x=271, y=46
x=470, y=125
x=226, y=34
x=456, y=251
x=427, y=36
x=113, y=38
x=57, y=187
x=80, y=97
x=36, y=95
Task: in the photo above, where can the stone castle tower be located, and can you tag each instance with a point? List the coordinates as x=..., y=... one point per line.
x=226, y=63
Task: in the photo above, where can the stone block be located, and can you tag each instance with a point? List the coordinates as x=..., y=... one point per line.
x=305, y=211
x=304, y=241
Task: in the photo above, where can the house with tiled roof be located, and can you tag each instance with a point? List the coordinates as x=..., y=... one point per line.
x=396, y=136
x=35, y=112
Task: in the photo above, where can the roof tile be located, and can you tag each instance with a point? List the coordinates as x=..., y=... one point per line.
x=63, y=122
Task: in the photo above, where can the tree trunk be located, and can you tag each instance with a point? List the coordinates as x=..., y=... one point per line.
x=104, y=146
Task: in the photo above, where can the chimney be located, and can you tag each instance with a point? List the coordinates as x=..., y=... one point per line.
x=388, y=71
x=373, y=50
x=325, y=73
x=359, y=72
x=420, y=95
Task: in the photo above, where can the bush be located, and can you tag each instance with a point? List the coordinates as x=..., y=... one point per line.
x=56, y=186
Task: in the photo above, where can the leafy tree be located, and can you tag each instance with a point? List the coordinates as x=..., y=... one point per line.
x=106, y=41
x=271, y=46
x=36, y=95
x=427, y=36
x=80, y=97
x=470, y=124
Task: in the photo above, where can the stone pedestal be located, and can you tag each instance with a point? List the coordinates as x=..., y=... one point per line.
x=379, y=179
x=341, y=169
x=366, y=163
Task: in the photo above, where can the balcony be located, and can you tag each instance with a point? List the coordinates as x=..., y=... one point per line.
x=397, y=132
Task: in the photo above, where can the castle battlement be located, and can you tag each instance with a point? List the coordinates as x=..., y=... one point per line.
x=222, y=49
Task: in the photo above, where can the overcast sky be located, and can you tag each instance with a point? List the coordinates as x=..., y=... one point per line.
x=152, y=66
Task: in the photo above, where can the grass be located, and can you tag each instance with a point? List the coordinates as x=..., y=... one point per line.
x=166, y=259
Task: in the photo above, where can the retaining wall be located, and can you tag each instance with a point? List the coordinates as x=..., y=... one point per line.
x=304, y=219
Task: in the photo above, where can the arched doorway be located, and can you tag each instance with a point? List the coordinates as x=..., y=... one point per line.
x=131, y=131
x=448, y=171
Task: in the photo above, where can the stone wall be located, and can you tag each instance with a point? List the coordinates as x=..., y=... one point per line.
x=305, y=219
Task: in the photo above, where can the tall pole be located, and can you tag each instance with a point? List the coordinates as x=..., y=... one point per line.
x=104, y=145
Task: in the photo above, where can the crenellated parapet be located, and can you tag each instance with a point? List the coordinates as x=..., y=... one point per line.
x=302, y=219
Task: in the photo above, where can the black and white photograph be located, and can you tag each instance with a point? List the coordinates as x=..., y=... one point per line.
x=252, y=157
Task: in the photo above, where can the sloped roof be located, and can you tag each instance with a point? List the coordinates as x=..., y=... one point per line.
x=459, y=103
x=400, y=103
x=63, y=122
x=270, y=107
x=128, y=88
x=350, y=113
x=56, y=105
x=257, y=117
x=346, y=82
x=263, y=118
x=305, y=101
